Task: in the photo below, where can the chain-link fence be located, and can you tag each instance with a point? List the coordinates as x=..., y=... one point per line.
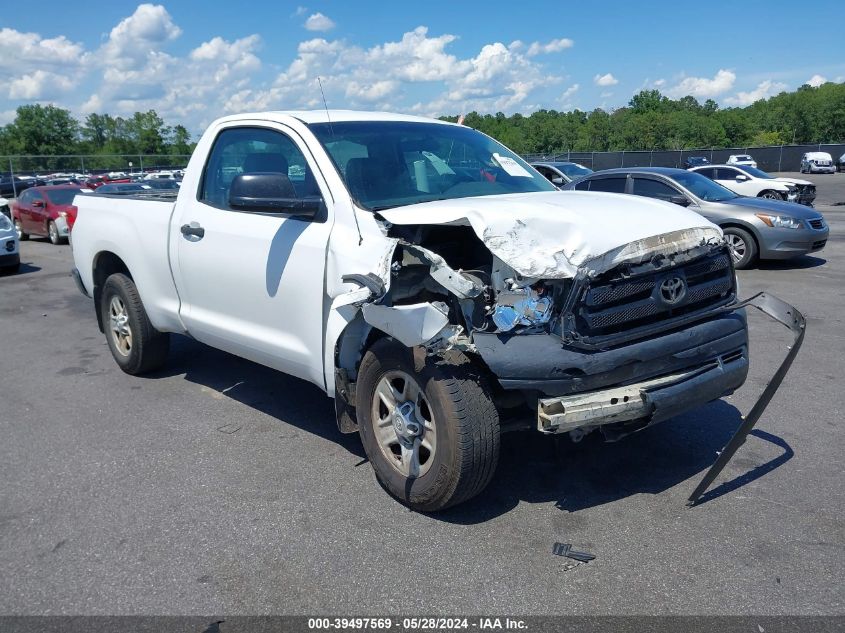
x=41, y=165
x=771, y=158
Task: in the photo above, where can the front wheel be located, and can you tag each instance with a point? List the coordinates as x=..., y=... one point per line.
x=432, y=436
x=771, y=195
x=742, y=245
x=19, y=230
x=135, y=344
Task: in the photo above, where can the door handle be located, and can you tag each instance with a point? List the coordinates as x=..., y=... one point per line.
x=193, y=229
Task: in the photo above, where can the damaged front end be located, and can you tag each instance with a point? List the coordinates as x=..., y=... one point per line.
x=634, y=336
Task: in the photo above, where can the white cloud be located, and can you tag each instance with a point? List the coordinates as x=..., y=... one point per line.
x=300, y=10
x=569, y=92
x=40, y=85
x=659, y=83
x=605, y=95
x=555, y=46
x=22, y=52
x=703, y=87
x=144, y=32
x=605, y=80
x=498, y=77
x=763, y=90
x=816, y=81
x=319, y=22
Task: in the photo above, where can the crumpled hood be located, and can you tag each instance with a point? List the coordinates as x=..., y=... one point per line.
x=550, y=235
x=792, y=181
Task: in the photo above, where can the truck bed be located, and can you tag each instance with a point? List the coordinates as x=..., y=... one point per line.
x=135, y=228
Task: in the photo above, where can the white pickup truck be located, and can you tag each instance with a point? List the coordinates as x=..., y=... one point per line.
x=428, y=279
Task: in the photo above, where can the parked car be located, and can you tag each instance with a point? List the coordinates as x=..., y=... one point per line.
x=695, y=161
x=11, y=186
x=4, y=208
x=123, y=188
x=561, y=172
x=841, y=164
x=436, y=279
x=754, y=228
x=10, y=258
x=817, y=162
x=47, y=211
x=95, y=182
x=750, y=181
x=163, y=184
x=741, y=159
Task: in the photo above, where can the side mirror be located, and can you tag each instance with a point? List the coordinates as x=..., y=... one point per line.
x=270, y=192
x=680, y=200
x=37, y=204
x=558, y=181
x=741, y=178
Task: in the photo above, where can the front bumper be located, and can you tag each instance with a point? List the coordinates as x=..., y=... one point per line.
x=540, y=362
x=787, y=243
x=653, y=400
x=9, y=259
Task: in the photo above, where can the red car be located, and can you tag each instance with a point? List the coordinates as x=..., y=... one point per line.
x=46, y=211
x=98, y=181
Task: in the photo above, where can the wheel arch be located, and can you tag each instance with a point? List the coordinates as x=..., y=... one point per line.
x=106, y=263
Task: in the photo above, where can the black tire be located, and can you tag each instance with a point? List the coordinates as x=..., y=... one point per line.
x=464, y=417
x=735, y=236
x=23, y=237
x=769, y=194
x=148, y=348
x=53, y=233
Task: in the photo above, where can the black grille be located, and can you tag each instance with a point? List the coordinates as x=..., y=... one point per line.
x=819, y=244
x=817, y=224
x=614, y=304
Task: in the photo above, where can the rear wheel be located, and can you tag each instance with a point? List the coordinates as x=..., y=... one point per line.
x=19, y=229
x=135, y=344
x=742, y=245
x=53, y=233
x=432, y=436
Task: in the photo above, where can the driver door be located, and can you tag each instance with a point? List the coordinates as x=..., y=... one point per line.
x=253, y=283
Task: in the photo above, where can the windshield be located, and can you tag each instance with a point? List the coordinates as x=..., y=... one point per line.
x=387, y=164
x=573, y=170
x=62, y=196
x=757, y=173
x=703, y=188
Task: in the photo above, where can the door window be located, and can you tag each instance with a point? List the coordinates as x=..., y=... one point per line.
x=725, y=173
x=654, y=189
x=247, y=150
x=616, y=184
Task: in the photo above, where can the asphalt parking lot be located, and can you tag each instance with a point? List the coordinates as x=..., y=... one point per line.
x=220, y=486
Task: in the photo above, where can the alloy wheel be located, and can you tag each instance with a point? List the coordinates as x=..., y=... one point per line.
x=403, y=424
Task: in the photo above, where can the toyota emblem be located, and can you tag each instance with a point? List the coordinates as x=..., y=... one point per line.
x=673, y=290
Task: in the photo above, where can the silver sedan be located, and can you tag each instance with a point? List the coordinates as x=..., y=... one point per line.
x=755, y=228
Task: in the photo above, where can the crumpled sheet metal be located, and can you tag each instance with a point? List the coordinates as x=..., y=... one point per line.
x=553, y=235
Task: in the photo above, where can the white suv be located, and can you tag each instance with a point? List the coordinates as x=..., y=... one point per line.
x=820, y=162
x=749, y=181
x=741, y=159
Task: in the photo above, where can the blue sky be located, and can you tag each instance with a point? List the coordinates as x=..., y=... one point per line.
x=195, y=61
